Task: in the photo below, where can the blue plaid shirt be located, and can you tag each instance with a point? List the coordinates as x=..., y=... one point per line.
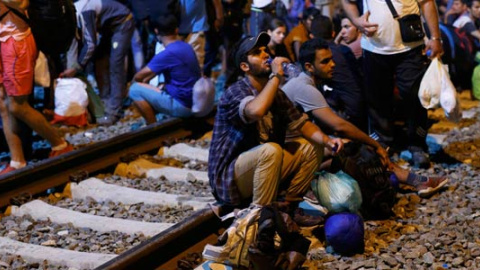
x=233, y=134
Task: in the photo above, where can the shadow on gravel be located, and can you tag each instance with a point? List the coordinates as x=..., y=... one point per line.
x=442, y=157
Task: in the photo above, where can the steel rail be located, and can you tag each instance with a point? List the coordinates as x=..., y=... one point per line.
x=166, y=245
x=53, y=172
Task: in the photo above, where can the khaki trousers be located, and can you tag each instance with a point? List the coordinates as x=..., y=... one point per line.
x=260, y=170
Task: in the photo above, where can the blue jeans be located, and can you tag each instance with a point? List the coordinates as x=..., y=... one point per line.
x=160, y=101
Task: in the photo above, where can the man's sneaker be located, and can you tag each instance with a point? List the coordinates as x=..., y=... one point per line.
x=106, y=120
x=67, y=149
x=432, y=185
x=420, y=159
x=310, y=197
x=7, y=170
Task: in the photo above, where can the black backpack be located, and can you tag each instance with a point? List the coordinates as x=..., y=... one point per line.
x=364, y=165
x=53, y=24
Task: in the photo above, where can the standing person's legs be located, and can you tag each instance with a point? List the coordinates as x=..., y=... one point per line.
x=102, y=68
x=120, y=44
x=212, y=45
x=10, y=127
x=379, y=84
x=21, y=109
x=18, y=62
x=12, y=132
x=197, y=41
x=409, y=74
x=137, y=50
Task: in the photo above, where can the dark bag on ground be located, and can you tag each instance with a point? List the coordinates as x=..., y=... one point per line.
x=411, y=28
x=53, y=24
x=251, y=241
x=364, y=165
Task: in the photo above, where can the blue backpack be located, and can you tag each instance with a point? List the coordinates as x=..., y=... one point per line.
x=344, y=233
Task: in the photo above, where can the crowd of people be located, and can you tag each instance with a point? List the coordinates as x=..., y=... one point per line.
x=270, y=132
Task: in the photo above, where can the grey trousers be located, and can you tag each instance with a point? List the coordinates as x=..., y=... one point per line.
x=110, y=66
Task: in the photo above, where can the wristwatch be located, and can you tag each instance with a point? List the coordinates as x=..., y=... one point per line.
x=272, y=75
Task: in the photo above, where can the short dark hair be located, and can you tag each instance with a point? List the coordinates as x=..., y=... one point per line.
x=165, y=25
x=322, y=27
x=309, y=49
x=469, y=3
x=310, y=12
x=273, y=24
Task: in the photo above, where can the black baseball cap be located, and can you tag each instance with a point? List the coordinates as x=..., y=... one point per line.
x=262, y=39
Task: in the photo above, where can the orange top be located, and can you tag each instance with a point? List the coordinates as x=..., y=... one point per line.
x=299, y=33
x=12, y=25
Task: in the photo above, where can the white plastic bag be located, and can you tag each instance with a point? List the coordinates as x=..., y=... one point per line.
x=429, y=92
x=449, y=99
x=42, y=73
x=203, y=97
x=437, y=88
x=71, y=97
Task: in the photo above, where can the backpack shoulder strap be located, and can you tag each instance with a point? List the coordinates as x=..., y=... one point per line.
x=19, y=14
x=4, y=14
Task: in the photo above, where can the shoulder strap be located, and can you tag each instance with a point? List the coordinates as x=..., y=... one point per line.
x=4, y=14
x=392, y=9
x=19, y=14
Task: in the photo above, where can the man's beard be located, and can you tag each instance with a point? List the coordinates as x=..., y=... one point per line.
x=259, y=72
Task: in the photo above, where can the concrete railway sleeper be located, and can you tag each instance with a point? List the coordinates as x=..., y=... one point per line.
x=114, y=220
x=435, y=233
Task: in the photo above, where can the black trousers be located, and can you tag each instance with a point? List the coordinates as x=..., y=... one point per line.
x=405, y=70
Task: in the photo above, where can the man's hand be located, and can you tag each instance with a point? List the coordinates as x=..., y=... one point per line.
x=218, y=24
x=383, y=156
x=435, y=47
x=334, y=144
x=364, y=26
x=276, y=65
x=68, y=73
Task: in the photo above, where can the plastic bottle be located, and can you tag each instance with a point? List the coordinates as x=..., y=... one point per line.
x=290, y=70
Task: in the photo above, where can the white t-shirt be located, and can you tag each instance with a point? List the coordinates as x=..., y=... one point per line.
x=261, y=3
x=462, y=20
x=387, y=39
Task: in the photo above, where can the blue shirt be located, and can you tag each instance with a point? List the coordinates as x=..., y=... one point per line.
x=233, y=134
x=193, y=16
x=180, y=67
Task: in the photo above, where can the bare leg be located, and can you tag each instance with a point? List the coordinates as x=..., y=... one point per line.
x=146, y=111
x=19, y=107
x=400, y=172
x=11, y=130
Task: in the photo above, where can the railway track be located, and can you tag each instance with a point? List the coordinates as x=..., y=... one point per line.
x=56, y=229
x=162, y=244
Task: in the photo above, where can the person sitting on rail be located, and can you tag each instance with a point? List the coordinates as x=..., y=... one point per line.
x=180, y=67
x=318, y=65
x=250, y=157
x=18, y=55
